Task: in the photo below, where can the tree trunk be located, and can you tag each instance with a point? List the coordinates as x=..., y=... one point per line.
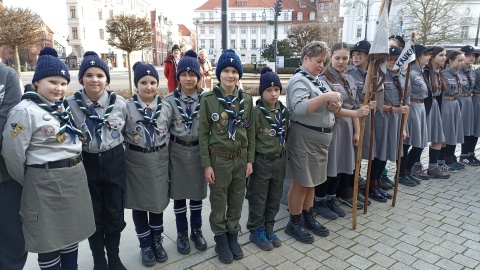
x=17, y=67
x=129, y=67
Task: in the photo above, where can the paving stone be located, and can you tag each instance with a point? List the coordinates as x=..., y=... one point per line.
x=426, y=245
x=472, y=254
x=454, y=238
x=403, y=257
x=450, y=229
x=382, y=260
x=361, y=250
x=384, y=249
x=442, y=252
x=344, y=242
x=294, y=255
x=204, y=265
x=287, y=265
x=466, y=261
x=321, y=255
x=359, y=262
x=431, y=238
x=422, y=265
x=407, y=248
x=272, y=258
x=342, y=253
x=427, y=256
x=252, y=262
x=400, y=266
x=307, y=263
x=454, y=247
x=365, y=240
x=412, y=240
x=334, y=263
x=450, y=265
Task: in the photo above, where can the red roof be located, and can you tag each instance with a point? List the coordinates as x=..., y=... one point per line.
x=184, y=29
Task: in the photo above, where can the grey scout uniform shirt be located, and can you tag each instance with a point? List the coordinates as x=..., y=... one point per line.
x=476, y=89
x=174, y=121
x=418, y=86
x=110, y=137
x=135, y=132
x=454, y=87
x=392, y=95
x=348, y=92
x=358, y=75
x=299, y=91
x=468, y=77
x=30, y=137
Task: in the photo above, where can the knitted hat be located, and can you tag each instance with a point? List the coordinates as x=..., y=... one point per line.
x=395, y=51
x=188, y=62
x=467, y=49
x=48, y=65
x=91, y=59
x=229, y=59
x=419, y=49
x=141, y=70
x=362, y=46
x=268, y=78
x=175, y=47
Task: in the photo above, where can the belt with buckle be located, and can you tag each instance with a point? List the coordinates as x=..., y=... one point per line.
x=145, y=150
x=415, y=100
x=183, y=142
x=465, y=95
x=63, y=163
x=449, y=98
x=319, y=129
x=228, y=154
x=269, y=157
x=476, y=94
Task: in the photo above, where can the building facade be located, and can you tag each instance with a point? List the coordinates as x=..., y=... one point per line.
x=250, y=25
x=87, y=23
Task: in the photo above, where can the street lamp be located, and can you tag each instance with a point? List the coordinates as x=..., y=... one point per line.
x=278, y=9
x=196, y=21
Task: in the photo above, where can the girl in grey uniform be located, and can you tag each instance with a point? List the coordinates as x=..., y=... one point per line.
x=465, y=99
x=417, y=136
x=101, y=114
x=436, y=86
x=186, y=173
x=476, y=110
x=345, y=133
x=42, y=150
x=451, y=115
x=146, y=160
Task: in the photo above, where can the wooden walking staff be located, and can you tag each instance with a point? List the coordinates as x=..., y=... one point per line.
x=402, y=127
x=378, y=52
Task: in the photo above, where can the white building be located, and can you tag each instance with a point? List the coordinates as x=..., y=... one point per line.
x=87, y=21
x=250, y=25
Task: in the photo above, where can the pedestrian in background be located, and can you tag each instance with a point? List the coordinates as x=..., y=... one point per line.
x=42, y=150
x=205, y=70
x=146, y=160
x=186, y=173
x=101, y=114
x=12, y=244
x=170, y=69
x=227, y=150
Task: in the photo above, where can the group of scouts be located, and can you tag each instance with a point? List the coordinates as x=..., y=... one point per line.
x=79, y=161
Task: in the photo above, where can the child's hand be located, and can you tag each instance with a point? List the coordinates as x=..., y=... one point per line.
x=209, y=175
x=249, y=169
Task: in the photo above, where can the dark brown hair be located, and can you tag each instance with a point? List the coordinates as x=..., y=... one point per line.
x=432, y=74
x=452, y=56
x=337, y=47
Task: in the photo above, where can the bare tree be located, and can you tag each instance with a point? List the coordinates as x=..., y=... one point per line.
x=19, y=27
x=129, y=33
x=435, y=21
x=302, y=34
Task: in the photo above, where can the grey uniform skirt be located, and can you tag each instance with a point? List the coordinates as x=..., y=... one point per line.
x=341, y=155
x=147, y=180
x=434, y=124
x=307, y=154
x=387, y=127
x=56, y=208
x=476, y=116
x=417, y=126
x=452, y=124
x=187, y=179
x=466, y=112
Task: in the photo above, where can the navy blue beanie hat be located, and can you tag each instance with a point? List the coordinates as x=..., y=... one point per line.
x=48, y=65
x=91, y=59
x=229, y=59
x=268, y=78
x=188, y=62
x=141, y=70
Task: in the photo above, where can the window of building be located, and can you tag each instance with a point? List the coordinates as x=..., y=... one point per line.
x=286, y=16
x=464, y=32
x=232, y=16
x=100, y=14
x=243, y=43
x=359, y=32
x=73, y=12
x=202, y=43
x=232, y=43
x=312, y=16
x=299, y=16
x=212, y=43
x=242, y=58
x=202, y=30
x=243, y=29
x=254, y=44
x=264, y=43
x=253, y=29
x=102, y=34
x=254, y=58
x=254, y=16
x=202, y=16
x=74, y=33
x=210, y=16
x=264, y=16
x=210, y=30
x=232, y=29
x=263, y=29
x=244, y=16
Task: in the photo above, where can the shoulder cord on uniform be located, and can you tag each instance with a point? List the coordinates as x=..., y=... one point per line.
x=188, y=119
x=100, y=120
x=67, y=124
x=147, y=120
x=312, y=79
x=280, y=131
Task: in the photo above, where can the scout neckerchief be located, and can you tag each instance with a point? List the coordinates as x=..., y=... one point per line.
x=188, y=101
x=229, y=104
x=93, y=121
x=67, y=124
x=467, y=72
x=149, y=119
x=279, y=123
x=398, y=84
x=312, y=79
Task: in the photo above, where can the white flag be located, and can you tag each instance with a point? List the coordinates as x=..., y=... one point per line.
x=407, y=56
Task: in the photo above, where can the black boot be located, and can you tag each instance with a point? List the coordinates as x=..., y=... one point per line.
x=148, y=258
x=197, y=237
x=310, y=223
x=234, y=246
x=112, y=243
x=183, y=245
x=96, y=242
x=160, y=253
x=224, y=254
x=296, y=230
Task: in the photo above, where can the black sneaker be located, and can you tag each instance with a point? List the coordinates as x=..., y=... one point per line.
x=468, y=161
x=385, y=179
x=384, y=185
x=376, y=195
x=405, y=180
x=321, y=208
x=384, y=194
x=332, y=204
x=349, y=202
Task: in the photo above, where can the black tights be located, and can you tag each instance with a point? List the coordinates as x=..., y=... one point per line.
x=469, y=144
x=329, y=187
x=410, y=157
